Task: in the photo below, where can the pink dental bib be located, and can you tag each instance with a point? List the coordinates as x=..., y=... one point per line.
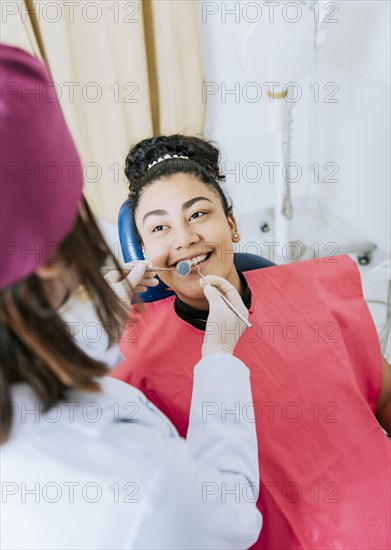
x=316, y=374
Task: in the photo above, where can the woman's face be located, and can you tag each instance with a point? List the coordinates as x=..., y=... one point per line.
x=181, y=218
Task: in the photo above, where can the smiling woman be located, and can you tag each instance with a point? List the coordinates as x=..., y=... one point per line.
x=193, y=228
x=181, y=212
x=313, y=354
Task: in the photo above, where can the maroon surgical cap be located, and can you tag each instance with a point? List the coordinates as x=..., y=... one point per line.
x=41, y=173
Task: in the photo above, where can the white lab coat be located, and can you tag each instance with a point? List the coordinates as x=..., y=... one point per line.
x=109, y=471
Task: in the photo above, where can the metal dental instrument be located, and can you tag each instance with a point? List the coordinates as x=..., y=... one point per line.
x=151, y=268
x=160, y=268
x=183, y=268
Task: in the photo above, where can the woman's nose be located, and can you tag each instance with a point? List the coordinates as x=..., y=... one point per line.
x=185, y=236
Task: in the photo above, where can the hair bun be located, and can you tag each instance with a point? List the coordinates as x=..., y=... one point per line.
x=149, y=150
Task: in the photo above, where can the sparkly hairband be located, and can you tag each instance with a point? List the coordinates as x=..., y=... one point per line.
x=161, y=159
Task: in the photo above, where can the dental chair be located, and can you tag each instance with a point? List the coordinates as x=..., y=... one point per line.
x=132, y=251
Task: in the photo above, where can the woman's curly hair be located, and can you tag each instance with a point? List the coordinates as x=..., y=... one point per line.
x=202, y=162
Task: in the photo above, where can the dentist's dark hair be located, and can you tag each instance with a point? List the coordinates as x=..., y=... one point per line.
x=37, y=347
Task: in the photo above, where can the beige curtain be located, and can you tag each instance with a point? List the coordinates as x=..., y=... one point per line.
x=16, y=28
x=123, y=71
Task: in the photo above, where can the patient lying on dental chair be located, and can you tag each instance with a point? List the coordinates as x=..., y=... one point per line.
x=321, y=390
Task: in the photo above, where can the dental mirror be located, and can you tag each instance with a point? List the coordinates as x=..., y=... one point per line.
x=183, y=268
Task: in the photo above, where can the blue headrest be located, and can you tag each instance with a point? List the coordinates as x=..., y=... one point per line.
x=130, y=246
x=131, y=251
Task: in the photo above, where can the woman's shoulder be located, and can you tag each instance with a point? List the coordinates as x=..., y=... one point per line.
x=326, y=270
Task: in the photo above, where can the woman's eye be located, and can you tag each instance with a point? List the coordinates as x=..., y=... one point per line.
x=197, y=215
x=158, y=228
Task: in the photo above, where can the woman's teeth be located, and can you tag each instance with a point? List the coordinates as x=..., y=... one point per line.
x=198, y=259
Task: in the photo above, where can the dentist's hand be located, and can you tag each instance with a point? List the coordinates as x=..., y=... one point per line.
x=223, y=328
x=136, y=280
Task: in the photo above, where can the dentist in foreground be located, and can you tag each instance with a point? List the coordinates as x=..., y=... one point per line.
x=86, y=460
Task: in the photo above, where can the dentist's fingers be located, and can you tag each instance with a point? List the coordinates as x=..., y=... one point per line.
x=228, y=290
x=223, y=328
x=135, y=276
x=136, y=280
x=139, y=279
x=146, y=282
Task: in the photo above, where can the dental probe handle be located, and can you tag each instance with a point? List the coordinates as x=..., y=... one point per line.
x=233, y=308
x=154, y=268
x=160, y=269
x=124, y=267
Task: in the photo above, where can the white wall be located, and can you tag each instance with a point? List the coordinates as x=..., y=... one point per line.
x=354, y=133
